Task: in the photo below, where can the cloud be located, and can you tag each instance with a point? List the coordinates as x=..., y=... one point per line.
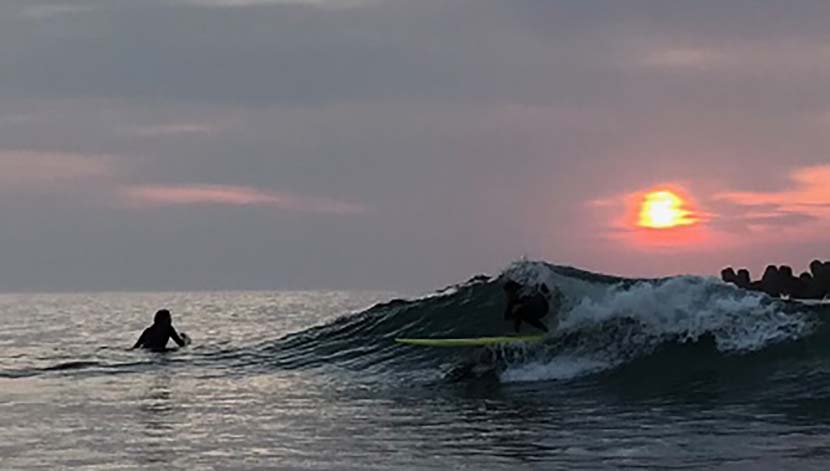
x=15, y=119
x=809, y=195
x=443, y=116
x=100, y=179
x=144, y=196
x=696, y=58
x=784, y=218
x=27, y=168
x=294, y=53
x=801, y=210
x=770, y=57
x=333, y=4
x=173, y=129
x=44, y=11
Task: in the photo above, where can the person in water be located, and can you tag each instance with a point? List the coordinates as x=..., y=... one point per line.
x=156, y=336
x=523, y=305
x=526, y=307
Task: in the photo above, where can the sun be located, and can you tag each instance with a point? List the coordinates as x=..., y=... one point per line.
x=663, y=210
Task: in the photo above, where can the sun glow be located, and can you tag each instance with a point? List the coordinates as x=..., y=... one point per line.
x=664, y=210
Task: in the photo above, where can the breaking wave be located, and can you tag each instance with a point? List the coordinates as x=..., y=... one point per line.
x=605, y=324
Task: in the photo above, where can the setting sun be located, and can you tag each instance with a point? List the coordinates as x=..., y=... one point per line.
x=663, y=210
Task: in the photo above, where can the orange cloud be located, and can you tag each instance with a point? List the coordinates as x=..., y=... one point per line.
x=812, y=189
x=802, y=212
x=227, y=195
x=28, y=168
x=808, y=200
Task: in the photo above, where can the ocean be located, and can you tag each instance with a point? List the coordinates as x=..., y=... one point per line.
x=674, y=373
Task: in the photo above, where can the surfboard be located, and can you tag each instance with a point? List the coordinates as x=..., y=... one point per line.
x=470, y=342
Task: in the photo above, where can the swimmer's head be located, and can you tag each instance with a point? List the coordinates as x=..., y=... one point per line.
x=163, y=317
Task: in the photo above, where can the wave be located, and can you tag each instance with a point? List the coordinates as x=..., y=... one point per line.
x=605, y=324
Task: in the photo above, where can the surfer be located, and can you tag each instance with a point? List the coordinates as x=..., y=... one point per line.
x=526, y=307
x=155, y=337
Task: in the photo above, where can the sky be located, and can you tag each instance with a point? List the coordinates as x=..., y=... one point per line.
x=405, y=145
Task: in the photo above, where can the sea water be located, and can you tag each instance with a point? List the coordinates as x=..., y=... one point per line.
x=677, y=373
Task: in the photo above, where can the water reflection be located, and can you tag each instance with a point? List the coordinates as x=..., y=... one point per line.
x=157, y=417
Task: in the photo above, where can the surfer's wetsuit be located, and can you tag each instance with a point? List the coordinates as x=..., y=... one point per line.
x=155, y=337
x=530, y=308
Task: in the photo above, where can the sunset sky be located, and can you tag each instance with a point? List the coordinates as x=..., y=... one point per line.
x=224, y=144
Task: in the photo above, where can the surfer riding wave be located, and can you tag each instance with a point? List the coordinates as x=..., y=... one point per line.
x=524, y=304
x=528, y=305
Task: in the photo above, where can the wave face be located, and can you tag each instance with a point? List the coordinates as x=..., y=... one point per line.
x=607, y=325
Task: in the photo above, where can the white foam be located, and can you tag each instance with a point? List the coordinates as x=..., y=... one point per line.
x=690, y=307
x=675, y=309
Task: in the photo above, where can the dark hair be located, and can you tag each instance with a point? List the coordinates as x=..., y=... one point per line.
x=162, y=317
